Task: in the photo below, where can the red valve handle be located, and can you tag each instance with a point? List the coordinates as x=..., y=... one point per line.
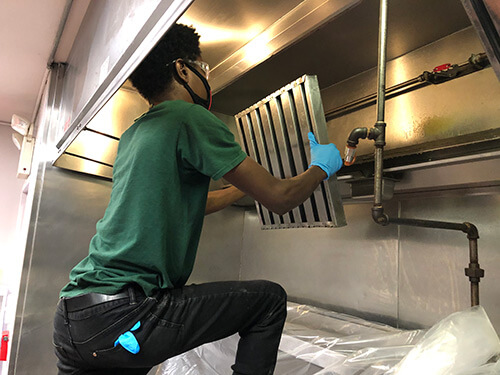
x=440, y=68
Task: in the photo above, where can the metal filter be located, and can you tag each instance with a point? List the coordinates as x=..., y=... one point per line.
x=273, y=132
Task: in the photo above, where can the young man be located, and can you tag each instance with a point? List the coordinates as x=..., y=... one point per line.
x=126, y=307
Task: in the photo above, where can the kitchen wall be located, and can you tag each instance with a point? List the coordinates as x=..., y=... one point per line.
x=403, y=276
x=10, y=252
x=10, y=196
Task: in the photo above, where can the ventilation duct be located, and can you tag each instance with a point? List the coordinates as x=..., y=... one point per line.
x=273, y=132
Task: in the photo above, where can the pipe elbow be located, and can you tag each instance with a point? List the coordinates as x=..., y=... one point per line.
x=379, y=216
x=356, y=134
x=471, y=230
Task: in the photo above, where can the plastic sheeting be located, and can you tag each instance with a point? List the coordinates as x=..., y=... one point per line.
x=321, y=342
x=458, y=344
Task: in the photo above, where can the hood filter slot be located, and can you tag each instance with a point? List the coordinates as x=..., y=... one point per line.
x=273, y=132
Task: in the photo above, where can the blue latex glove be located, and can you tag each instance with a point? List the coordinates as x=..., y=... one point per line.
x=128, y=340
x=327, y=157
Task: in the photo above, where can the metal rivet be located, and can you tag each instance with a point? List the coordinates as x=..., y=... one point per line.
x=94, y=354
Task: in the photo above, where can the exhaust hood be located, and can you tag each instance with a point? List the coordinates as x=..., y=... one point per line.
x=255, y=48
x=236, y=36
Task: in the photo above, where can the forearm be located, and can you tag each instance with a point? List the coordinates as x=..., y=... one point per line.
x=279, y=196
x=220, y=199
x=289, y=193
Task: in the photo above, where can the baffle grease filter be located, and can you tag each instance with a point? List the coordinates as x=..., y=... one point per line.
x=273, y=132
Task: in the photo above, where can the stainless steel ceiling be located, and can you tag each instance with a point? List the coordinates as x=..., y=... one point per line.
x=342, y=48
x=226, y=26
x=237, y=37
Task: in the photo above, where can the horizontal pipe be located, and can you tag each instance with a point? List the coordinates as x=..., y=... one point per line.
x=370, y=99
x=475, y=63
x=429, y=224
x=474, y=271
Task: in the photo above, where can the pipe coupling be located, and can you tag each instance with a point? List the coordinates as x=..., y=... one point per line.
x=474, y=272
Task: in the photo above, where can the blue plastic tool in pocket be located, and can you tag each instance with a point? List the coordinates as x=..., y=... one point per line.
x=128, y=340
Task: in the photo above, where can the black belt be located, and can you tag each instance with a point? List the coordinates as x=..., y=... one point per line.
x=90, y=299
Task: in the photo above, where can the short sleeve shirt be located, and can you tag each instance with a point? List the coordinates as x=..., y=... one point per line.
x=151, y=228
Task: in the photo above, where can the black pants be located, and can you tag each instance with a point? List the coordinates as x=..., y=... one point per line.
x=173, y=322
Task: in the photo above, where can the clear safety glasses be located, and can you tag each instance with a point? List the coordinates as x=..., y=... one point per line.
x=202, y=64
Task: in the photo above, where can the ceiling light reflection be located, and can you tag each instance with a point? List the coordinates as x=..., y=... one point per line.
x=401, y=114
x=210, y=34
x=258, y=49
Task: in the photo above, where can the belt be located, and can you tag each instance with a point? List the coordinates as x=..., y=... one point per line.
x=90, y=299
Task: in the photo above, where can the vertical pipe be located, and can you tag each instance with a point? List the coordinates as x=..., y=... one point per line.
x=377, y=188
x=474, y=281
x=380, y=125
x=382, y=57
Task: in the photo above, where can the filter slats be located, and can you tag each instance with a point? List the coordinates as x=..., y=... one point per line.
x=245, y=129
x=273, y=132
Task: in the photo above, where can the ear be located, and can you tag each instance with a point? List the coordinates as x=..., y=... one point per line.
x=182, y=71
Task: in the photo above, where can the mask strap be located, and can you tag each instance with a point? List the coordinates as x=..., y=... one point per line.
x=207, y=103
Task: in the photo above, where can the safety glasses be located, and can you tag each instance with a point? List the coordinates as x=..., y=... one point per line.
x=202, y=64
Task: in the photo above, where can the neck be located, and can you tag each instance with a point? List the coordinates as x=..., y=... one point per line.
x=175, y=92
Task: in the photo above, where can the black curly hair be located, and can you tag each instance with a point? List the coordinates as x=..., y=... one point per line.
x=153, y=76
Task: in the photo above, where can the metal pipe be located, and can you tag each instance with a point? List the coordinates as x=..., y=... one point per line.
x=474, y=267
x=429, y=224
x=377, y=133
x=379, y=151
x=474, y=271
x=395, y=90
x=382, y=60
x=355, y=135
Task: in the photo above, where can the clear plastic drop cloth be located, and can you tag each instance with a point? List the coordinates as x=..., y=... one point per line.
x=456, y=345
x=321, y=342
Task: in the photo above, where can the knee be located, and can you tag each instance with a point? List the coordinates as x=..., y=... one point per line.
x=273, y=289
x=279, y=291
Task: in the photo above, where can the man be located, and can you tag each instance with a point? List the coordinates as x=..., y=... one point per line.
x=126, y=307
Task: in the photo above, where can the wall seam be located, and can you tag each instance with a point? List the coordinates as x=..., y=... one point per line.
x=398, y=322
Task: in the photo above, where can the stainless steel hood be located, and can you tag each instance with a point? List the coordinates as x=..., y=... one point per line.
x=94, y=149
x=236, y=36
x=254, y=48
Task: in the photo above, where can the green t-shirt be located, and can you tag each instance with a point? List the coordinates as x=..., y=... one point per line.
x=151, y=228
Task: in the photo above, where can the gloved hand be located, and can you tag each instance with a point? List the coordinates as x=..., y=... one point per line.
x=327, y=157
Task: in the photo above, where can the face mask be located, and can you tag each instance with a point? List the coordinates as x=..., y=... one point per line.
x=207, y=103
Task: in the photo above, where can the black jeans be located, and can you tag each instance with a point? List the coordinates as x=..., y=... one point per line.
x=173, y=322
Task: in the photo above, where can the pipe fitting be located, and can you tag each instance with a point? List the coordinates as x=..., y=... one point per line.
x=474, y=272
x=379, y=216
x=356, y=135
x=377, y=133
x=471, y=231
x=352, y=142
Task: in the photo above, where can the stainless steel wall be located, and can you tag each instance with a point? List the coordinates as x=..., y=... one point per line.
x=428, y=118
x=71, y=203
x=349, y=269
x=62, y=227
x=431, y=276
x=219, y=252
x=400, y=275
x=407, y=276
